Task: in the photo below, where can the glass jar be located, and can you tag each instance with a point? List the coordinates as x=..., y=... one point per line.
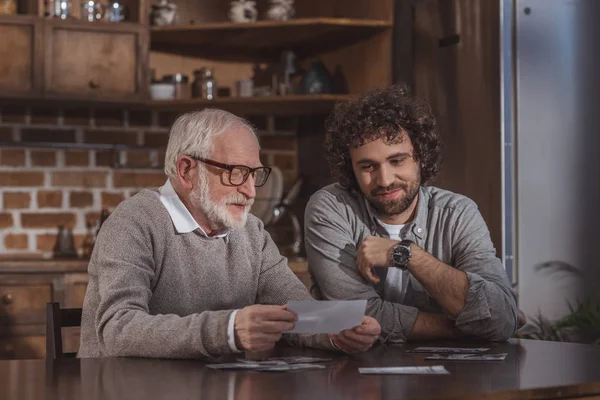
x=204, y=85
x=116, y=12
x=8, y=7
x=180, y=81
x=92, y=11
x=58, y=8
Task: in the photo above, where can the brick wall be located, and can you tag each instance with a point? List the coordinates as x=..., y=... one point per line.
x=62, y=166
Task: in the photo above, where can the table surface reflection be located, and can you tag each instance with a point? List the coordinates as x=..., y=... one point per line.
x=532, y=369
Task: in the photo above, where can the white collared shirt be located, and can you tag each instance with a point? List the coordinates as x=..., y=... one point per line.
x=185, y=223
x=180, y=215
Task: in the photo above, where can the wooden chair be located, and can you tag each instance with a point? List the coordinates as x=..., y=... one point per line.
x=57, y=318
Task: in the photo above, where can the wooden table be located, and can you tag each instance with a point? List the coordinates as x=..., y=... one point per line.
x=532, y=370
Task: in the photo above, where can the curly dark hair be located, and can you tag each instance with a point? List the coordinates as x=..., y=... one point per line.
x=381, y=113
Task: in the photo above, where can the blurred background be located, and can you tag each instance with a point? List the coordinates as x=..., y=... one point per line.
x=88, y=91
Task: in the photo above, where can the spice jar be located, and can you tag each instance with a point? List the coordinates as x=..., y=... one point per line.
x=8, y=7
x=204, y=85
x=180, y=81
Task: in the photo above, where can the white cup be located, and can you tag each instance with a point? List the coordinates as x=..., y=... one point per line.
x=162, y=91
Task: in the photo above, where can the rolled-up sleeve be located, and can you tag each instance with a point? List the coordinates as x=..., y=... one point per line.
x=331, y=252
x=490, y=311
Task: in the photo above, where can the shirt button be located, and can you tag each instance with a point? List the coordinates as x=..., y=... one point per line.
x=419, y=230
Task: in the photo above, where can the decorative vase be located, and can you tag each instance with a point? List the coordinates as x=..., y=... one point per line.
x=243, y=11
x=164, y=13
x=281, y=10
x=317, y=79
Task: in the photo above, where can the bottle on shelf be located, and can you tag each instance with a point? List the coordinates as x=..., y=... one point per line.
x=65, y=244
x=204, y=85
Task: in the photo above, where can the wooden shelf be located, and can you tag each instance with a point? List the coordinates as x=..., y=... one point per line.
x=263, y=41
x=268, y=105
x=292, y=105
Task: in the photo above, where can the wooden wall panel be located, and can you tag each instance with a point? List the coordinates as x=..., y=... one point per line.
x=462, y=83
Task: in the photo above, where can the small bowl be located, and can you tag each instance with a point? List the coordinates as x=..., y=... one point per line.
x=162, y=91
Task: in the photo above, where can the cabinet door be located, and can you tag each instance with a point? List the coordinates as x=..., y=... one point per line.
x=24, y=302
x=22, y=347
x=21, y=56
x=95, y=61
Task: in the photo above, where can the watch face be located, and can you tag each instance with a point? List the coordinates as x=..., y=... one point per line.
x=401, y=256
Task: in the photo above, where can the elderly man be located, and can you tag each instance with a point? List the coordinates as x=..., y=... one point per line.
x=184, y=271
x=437, y=274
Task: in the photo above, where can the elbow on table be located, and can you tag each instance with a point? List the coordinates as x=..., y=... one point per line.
x=500, y=328
x=113, y=342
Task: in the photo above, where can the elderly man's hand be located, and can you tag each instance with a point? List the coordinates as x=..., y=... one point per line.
x=358, y=339
x=259, y=327
x=374, y=252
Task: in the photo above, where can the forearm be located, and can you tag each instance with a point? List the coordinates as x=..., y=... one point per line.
x=430, y=326
x=447, y=285
x=134, y=333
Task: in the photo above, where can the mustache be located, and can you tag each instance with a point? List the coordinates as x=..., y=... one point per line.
x=394, y=186
x=240, y=199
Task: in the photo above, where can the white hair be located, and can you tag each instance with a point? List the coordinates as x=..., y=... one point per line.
x=193, y=133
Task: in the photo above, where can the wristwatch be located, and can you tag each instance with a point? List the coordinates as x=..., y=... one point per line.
x=401, y=255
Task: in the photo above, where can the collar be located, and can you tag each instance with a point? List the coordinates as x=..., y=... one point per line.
x=180, y=215
x=417, y=227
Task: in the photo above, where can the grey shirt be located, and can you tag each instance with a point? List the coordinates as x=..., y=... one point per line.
x=447, y=225
x=154, y=292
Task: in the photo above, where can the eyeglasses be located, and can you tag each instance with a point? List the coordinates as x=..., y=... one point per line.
x=238, y=174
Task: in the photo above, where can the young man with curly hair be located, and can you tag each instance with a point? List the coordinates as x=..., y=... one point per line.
x=421, y=256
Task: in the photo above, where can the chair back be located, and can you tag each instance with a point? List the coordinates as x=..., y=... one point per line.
x=56, y=319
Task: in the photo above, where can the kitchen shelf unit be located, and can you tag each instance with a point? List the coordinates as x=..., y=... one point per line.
x=263, y=41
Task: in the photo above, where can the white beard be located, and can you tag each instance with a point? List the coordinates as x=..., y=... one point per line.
x=218, y=215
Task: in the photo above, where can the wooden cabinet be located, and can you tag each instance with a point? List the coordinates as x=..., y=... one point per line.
x=27, y=347
x=21, y=301
x=20, y=55
x=87, y=60
x=56, y=59
x=25, y=288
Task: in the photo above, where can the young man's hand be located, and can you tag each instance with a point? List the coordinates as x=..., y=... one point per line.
x=374, y=252
x=358, y=339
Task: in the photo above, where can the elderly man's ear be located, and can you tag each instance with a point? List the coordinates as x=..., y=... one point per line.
x=185, y=172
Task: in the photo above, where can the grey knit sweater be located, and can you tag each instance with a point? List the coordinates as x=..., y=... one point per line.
x=155, y=293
